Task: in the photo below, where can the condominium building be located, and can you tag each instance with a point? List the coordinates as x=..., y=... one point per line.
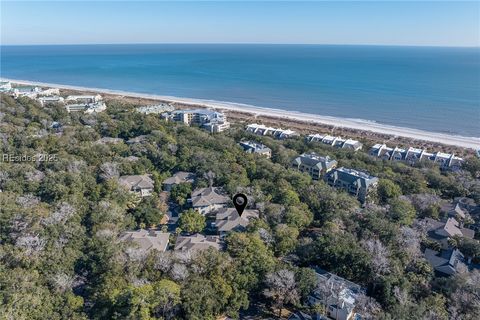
x=337, y=142
x=254, y=147
x=414, y=155
x=210, y=120
x=50, y=99
x=357, y=183
x=84, y=98
x=313, y=164
x=277, y=133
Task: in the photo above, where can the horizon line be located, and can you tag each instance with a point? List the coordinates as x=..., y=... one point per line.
x=240, y=43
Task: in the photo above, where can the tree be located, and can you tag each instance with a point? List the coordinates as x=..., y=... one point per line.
x=472, y=165
x=298, y=216
x=252, y=258
x=387, y=190
x=180, y=193
x=401, y=211
x=286, y=239
x=191, y=221
x=469, y=247
x=367, y=306
x=306, y=280
x=167, y=295
x=281, y=289
x=147, y=211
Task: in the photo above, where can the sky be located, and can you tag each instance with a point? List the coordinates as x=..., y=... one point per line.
x=427, y=23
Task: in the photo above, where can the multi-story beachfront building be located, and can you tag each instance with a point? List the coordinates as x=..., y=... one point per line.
x=156, y=109
x=50, y=99
x=313, y=164
x=258, y=148
x=86, y=107
x=356, y=183
x=336, y=142
x=263, y=130
x=414, y=155
x=49, y=92
x=84, y=98
x=209, y=120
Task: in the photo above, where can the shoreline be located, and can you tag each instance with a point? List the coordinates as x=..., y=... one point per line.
x=336, y=122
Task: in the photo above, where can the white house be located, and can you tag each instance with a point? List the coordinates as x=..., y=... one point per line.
x=336, y=294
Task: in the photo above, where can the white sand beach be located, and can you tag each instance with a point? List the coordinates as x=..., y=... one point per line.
x=357, y=124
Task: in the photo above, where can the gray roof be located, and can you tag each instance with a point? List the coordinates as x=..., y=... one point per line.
x=227, y=219
x=208, y=196
x=180, y=177
x=459, y=211
x=137, y=182
x=312, y=159
x=342, y=291
x=355, y=177
x=147, y=240
x=254, y=147
x=197, y=242
x=448, y=229
x=446, y=261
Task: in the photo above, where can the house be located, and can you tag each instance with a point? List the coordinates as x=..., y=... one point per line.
x=258, y=148
x=356, y=183
x=50, y=99
x=313, y=164
x=278, y=133
x=454, y=210
x=197, y=242
x=210, y=120
x=147, y=240
x=352, y=145
x=467, y=204
x=85, y=99
x=206, y=200
x=283, y=134
x=337, y=142
x=442, y=232
x=96, y=107
x=227, y=220
x=446, y=262
x=177, y=178
x=336, y=294
x=141, y=185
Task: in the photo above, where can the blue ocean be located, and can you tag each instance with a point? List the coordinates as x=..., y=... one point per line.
x=429, y=88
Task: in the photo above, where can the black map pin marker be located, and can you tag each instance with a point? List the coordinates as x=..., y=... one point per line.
x=240, y=202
